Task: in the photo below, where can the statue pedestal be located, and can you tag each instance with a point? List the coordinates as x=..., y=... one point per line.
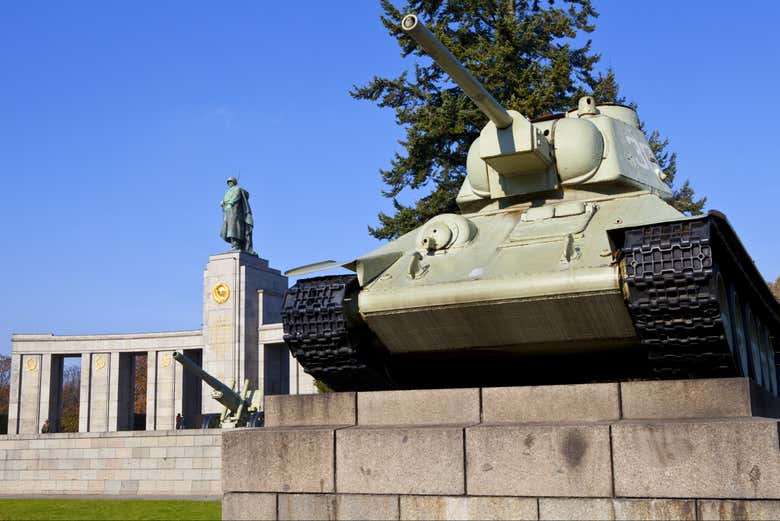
x=240, y=292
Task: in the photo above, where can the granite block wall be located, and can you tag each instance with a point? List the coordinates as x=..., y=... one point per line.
x=183, y=463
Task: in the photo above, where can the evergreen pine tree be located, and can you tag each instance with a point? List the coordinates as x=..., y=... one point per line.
x=524, y=53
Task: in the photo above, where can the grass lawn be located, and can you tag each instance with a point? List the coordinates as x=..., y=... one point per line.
x=107, y=509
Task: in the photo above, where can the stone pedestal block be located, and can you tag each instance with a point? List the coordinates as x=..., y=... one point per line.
x=712, y=398
x=718, y=510
x=424, y=407
x=463, y=508
x=539, y=460
x=578, y=509
x=290, y=410
x=697, y=459
x=338, y=506
x=249, y=506
x=550, y=403
x=426, y=460
x=278, y=460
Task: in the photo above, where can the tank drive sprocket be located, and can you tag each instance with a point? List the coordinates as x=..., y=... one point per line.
x=683, y=280
x=327, y=336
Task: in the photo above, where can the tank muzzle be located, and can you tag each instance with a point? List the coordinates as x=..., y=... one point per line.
x=409, y=22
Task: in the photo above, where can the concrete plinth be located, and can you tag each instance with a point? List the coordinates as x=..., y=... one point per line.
x=601, y=451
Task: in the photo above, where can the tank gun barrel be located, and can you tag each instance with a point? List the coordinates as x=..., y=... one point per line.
x=412, y=26
x=222, y=393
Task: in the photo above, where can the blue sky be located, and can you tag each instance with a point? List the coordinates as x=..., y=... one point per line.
x=119, y=124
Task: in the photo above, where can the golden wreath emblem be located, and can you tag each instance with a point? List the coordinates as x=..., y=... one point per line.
x=31, y=364
x=166, y=360
x=100, y=362
x=221, y=293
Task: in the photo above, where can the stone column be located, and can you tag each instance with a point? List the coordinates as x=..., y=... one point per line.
x=178, y=391
x=114, y=392
x=151, y=390
x=30, y=395
x=45, y=390
x=86, y=363
x=13, y=398
x=100, y=380
x=231, y=311
x=293, y=374
x=305, y=380
x=165, y=391
x=261, y=369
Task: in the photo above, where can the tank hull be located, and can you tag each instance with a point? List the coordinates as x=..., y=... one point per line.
x=626, y=288
x=521, y=284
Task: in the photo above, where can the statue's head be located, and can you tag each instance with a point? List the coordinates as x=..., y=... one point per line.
x=232, y=181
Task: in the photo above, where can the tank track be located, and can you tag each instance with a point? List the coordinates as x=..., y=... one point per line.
x=670, y=275
x=327, y=336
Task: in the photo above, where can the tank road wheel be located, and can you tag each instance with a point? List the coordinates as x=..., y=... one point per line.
x=740, y=337
x=762, y=350
x=774, y=368
x=768, y=357
x=751, y=338
x=726, y=312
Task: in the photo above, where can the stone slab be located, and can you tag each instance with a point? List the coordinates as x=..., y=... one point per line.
x=551, y=403
x=538, y=460
x=421, y=407
x=278, y=460
x=436, y=508
x=423, y=460
x=707, y=398
x=579, y=509
x=248, y=506
x=338, y=506
x=310, y=409
x=712, y=510
x=726, y=459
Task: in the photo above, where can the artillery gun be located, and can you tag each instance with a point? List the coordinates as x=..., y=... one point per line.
x=565, y=265
x=240, y=410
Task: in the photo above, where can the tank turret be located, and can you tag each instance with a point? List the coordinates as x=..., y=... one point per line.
x=516, y=157
x=565, y=265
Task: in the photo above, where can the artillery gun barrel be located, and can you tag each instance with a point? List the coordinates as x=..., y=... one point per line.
x=459, y=74
x=224, y=394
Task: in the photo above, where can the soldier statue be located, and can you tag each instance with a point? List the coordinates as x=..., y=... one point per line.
x=237, y=222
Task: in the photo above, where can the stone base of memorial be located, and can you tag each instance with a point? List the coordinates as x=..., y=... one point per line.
x=694, y=449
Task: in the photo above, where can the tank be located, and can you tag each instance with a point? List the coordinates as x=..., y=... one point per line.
x=565, y=265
